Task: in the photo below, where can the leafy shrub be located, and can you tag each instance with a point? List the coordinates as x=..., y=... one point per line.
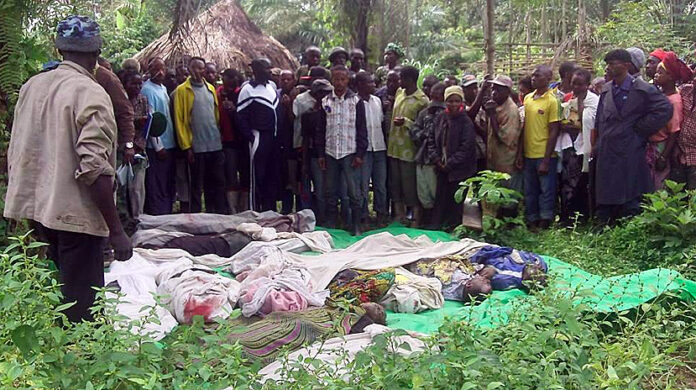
x=42, y=350
x=669, y=216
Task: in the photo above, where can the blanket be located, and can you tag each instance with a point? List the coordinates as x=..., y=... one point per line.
x=262, y=339
x=604, y=295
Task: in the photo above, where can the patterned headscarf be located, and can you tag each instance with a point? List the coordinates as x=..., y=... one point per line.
x=680, y=72
x=78, y=33
x=394, y=47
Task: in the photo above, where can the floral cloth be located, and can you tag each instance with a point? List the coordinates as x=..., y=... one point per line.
x=364, y=286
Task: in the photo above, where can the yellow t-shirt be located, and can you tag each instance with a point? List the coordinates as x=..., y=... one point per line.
x=538, y=114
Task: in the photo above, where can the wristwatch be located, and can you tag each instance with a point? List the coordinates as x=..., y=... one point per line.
x=129, y=145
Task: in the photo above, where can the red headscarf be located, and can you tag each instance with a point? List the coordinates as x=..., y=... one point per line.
x=679, y=71
x=659, y=53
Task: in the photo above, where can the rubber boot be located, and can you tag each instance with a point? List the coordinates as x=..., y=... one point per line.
x=243, y=204
x=232, y=201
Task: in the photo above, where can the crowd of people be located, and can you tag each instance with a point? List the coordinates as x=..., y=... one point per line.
x=328, y=135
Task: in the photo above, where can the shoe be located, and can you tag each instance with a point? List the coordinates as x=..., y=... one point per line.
x=533, y=226
x=544, y=224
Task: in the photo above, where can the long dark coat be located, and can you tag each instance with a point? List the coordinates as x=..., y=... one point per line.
x=457, y=135
x=622, y=173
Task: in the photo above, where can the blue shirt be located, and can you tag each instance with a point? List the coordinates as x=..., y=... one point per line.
x=158, y=100
x=620, y=92
x=509, y=265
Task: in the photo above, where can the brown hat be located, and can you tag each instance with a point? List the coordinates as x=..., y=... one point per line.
x=503, y=81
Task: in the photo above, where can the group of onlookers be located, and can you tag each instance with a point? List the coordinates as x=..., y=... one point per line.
x=326, y=138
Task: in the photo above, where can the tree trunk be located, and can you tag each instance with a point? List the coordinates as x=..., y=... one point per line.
x=528, y=35
x=564, y=28
x=604, y=6
x=361, y=24
x=490, y=36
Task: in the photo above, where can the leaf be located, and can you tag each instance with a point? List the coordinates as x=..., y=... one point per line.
x=24, y=338
x=611, y=372
x=494, y=385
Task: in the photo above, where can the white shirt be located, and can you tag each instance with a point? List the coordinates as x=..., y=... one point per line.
x=303, y=103
x=374, y=117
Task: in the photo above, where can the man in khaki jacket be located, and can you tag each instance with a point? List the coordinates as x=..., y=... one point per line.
x=61, y=165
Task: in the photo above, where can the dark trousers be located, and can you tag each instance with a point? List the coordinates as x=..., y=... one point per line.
x=573, y=187
x=208, y=177
x=609, y=214
x=80, y=262
x=337, y=170
x=160, y=183
x=236, y=166
x=266, y=172
x=446, y=210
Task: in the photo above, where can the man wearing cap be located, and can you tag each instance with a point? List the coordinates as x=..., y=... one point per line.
x=392, y=55
x=637, y=62
x=338, y=56
x=504, y=130
x=61, y=163
x=311, y=58
x=160, y=187
x=629, y=112
x=258, y=112
x=310, y=120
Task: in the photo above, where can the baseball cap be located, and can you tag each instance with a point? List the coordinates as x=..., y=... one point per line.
x=468, y=80
x=321, y=85
x=503, y=81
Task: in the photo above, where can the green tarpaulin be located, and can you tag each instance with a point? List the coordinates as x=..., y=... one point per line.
x=598, y=293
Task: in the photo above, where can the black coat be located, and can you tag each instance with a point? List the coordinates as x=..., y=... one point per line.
x=622, y=173
x=458, y=134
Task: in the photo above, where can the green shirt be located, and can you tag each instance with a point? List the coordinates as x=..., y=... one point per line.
x=408, y=106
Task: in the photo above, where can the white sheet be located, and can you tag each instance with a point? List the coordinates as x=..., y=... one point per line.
x=337, y=352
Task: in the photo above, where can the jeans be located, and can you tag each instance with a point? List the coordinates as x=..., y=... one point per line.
x=80, y=261
x=337, y=170
x=375, y=168
x=319, y=185
x=539, y=190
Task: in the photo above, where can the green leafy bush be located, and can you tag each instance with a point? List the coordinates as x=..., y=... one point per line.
x=42, y=350
x=669, y=216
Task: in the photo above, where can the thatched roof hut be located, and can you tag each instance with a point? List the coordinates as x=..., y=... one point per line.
x=223, y=34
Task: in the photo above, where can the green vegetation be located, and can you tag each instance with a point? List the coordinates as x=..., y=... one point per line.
x=548, y=343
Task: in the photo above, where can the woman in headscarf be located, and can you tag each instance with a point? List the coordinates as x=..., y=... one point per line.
x=452, y=146
x=660, y=152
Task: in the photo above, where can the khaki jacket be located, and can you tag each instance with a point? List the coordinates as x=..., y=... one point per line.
x=63, y=138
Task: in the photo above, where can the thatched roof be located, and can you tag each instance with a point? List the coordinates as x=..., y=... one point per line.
x=223, y=34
